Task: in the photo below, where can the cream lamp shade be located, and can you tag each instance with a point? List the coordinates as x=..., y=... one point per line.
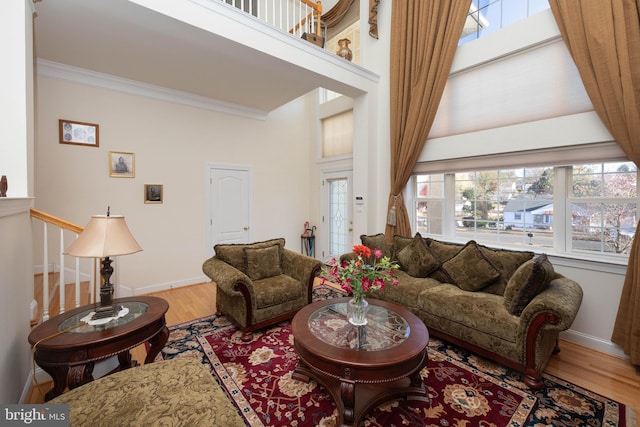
x=104, y=236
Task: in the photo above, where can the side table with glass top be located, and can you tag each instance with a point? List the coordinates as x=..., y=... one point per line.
x=67, y=348
x=361, y=366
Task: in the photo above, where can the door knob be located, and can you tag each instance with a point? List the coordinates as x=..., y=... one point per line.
x=245, y=228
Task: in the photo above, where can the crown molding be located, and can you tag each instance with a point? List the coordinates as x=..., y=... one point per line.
x=60, y=71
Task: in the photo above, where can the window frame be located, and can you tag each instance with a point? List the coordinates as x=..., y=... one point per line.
x=562, y=201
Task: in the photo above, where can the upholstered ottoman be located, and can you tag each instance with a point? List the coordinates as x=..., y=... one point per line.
x=176, y=392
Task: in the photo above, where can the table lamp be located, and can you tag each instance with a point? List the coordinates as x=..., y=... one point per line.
x=103, y=237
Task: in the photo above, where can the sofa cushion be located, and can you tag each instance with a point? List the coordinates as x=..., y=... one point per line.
x=276, y=290
x=262, y=262
x=507, y=262
x=529, y=280
x=469, y=269
x=233, y=253
x=476, y=316
x=376, y=241
x=416, y=259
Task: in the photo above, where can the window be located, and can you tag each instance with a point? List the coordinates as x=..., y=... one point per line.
x=603, y=207
x=337, y=134
x=487, y=16
x=526, y=207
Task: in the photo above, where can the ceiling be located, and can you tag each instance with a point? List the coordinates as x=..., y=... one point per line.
x=123, y=39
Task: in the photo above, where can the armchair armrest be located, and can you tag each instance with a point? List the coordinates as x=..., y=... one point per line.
x=301, y=267
x=226, y=276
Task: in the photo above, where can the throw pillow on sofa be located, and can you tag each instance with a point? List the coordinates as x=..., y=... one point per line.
x=469, y=269
x=376, y=241
x=529, y=280
x=416, y=259
x=262, y=262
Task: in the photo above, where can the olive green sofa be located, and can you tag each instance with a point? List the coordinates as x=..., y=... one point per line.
x=506, y=305
x=260, y=284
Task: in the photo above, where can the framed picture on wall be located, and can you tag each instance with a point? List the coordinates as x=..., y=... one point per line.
x=153, y=193
x=78, y=133
x=122, y=165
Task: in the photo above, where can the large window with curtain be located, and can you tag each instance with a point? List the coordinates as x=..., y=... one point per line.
x=578, y=210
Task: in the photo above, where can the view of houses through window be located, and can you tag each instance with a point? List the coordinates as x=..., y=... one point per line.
x=596, y=211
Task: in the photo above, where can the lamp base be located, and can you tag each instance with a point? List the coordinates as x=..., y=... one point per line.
x=107, y=311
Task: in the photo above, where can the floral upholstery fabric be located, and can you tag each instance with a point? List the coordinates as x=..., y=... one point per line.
x=416, y=258
x=176, y=392
x=234, y=254
x=478, y=316
x=469, y=269
x=262, y=262
x=528, y=281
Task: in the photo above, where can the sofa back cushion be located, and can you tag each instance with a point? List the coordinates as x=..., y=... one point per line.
x=233, y=253
x=262, y=262
x=469, y=269
x=376, y=241
x=507, y=262
x=529, y=280
x=416, y=259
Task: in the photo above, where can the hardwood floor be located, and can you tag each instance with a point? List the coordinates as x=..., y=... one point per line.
x=599, y=372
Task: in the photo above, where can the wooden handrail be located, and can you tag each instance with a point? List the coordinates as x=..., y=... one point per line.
x=59, y=222
x=317, y=12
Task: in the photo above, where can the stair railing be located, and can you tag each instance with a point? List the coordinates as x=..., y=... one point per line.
x=292, y=16
x=61, y=225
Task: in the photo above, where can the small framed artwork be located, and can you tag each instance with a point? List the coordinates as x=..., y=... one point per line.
x=78, y=133
x=153, y=193
x=122, y=165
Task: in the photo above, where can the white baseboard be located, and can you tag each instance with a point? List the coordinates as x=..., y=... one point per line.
x=594, y=343
x=125, y=291
x=68, y=272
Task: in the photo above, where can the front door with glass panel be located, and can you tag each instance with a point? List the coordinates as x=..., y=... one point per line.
x=337, y=215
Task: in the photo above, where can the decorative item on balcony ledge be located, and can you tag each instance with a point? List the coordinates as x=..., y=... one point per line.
x=343, y=49
x=103, y=237
x=3, y=186
x=357, y=277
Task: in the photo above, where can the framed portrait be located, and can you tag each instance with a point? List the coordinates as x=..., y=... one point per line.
x=78, y=133
x=153, y=193
x=122, y=165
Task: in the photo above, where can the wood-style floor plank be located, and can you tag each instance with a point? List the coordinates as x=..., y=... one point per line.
x=599, y=372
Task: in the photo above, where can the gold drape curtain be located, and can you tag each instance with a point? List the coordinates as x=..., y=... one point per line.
x=603, y=38
x=424, y=38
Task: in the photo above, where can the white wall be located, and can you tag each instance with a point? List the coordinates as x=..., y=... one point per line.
x=172, y=145
x=16, y=118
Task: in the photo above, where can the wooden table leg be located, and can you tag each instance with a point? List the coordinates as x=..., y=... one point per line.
x=157, y=343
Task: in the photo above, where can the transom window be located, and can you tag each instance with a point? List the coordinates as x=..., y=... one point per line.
x=595, y=212
x=487, y=16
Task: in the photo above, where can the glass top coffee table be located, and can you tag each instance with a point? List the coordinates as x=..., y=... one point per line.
x=361, y=366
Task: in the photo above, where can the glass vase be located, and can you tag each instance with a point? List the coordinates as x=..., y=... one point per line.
x=357, y=311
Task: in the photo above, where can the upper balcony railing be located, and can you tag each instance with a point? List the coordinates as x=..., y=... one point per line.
x=296, y=17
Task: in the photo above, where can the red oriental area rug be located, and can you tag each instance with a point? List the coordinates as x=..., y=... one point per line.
x=465, y=389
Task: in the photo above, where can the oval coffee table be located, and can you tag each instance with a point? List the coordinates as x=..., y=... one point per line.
x=361, y=366
x=67, y=348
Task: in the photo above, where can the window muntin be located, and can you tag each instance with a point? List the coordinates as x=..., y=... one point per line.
x=515, y=207
x=430, y=203
x=487, y=16
x=509, y=206
x=603, y=199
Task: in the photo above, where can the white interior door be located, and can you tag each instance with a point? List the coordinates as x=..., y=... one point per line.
x=230, y=207
x=337, y=217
